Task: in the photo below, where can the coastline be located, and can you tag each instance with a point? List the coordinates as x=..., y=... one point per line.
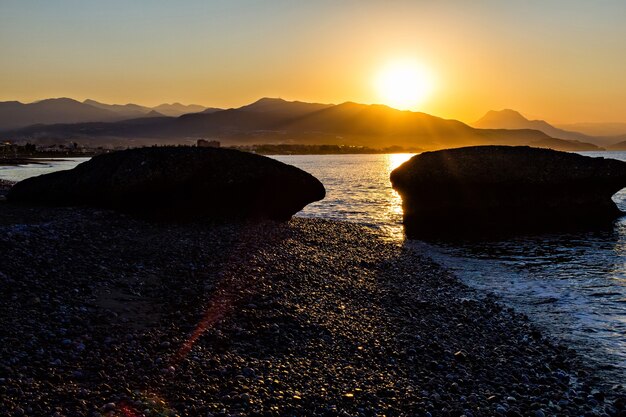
x=6, y=185
x=104, y=313
x=28, y=161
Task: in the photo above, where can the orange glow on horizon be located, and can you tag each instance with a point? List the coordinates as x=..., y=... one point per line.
x=559, y=67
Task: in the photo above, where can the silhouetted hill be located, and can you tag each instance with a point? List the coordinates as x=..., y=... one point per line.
x=620, y=145
x=170, y=110
x=276, y=121
x=565, y=145
x=372, y=125
x=511, y=119
x=508, y=119
x=280, y=106
x=210, y=110
x=14, y=114
x=177, y=109
x=124, y=110
x=596, y=129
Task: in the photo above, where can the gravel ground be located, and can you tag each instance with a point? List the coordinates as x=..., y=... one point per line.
x=106, y=315
x=5, y=185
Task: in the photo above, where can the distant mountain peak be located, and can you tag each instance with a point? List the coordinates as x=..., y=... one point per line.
x=177, y=109
x=274, y=101
x=271, y=104
x=177, y=104
x=512, y=119
x=270, y=100
x=507, y=112
x=502, y=116
x=59, y=100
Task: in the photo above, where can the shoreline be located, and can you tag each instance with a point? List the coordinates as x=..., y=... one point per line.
x=29, y=161
x=18, y=161
x=105, y=313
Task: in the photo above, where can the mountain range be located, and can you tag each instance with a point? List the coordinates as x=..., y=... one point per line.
x=15, y=115
x=511, y=119
x=276, y=121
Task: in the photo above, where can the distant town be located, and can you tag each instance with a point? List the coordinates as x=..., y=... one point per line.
x=17, y=153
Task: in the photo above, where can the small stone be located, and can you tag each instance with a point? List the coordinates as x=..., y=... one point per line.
x=513, y=413
x=598, y=395
x=169, y=370
x=108, y=407
x=34, y=301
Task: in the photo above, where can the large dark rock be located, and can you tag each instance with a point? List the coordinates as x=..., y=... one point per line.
x=178, y=183
x=485, y=189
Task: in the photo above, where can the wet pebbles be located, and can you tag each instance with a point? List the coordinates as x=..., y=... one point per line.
x=105, y=315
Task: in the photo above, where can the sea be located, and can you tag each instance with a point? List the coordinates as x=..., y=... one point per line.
x=571, y=285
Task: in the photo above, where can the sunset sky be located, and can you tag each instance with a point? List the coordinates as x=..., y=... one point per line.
x=563, y=61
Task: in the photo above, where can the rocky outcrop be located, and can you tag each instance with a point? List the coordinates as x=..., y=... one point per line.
x=178, y=183
x=485, y=189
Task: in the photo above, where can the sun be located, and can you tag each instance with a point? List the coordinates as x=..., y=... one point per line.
x=404, y=85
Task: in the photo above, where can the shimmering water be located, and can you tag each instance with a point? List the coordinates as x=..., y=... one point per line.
x=21, y=172
x=357, y=188
x=573, y=285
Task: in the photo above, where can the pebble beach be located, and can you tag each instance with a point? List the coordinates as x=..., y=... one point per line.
x=106, y=315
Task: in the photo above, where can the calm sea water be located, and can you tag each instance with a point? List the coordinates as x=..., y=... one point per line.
x=357, y=189
x=572, y=285
x=45, y=166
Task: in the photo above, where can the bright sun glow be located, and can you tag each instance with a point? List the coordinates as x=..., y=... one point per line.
x=404, y=85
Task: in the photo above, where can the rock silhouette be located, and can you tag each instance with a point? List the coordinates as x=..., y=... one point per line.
x=178, y=183
x=486, y=189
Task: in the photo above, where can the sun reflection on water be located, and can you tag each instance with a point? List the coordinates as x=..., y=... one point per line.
x=358, y=189
x=394, y=160
x=394, y=208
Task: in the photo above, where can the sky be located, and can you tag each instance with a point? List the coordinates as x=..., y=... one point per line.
x=562, y=61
